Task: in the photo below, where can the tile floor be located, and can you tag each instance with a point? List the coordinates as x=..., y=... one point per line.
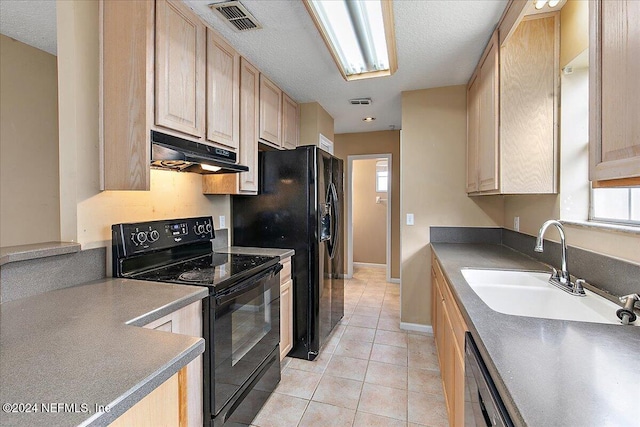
x=369, y=373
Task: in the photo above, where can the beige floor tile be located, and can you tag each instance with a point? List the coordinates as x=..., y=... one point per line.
x=347, y=367
x=398, y=339
x=338, y=391
x=384, y=401
x=323, y=415
x=370, y=302
x=389, y=324
x=297, y=383
x=427, y=410
x=356, y=333
x=390, y=314
x=318, y=365
x=387, y=375
x=421, y=343
x=281, y=411
x=355, y=349
x=364, y=419
x=423, y=360
x=426, y=381
x=389, y=354
x=363, y=321
x=363, y=310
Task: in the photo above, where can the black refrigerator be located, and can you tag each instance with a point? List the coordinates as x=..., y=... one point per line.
x=300, y=206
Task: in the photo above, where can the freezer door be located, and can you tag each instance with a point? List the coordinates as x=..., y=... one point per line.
x=337, y=259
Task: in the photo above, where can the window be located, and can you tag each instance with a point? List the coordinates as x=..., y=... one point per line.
x=382, y=178
x=620, y=205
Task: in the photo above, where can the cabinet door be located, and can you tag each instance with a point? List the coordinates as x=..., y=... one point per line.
x=249, y=125
x=472, y=135
x=126, y=93
x=223, y=91
x=488, y=120
x=180, y=69
x=286, y=318
x=270, y=112
x=290, y=122
x=614, y=90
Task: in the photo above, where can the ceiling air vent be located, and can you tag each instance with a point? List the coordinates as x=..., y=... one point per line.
x=360, y=101
x=236, y=15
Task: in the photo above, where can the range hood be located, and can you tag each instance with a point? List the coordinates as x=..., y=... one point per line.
x=173, y=153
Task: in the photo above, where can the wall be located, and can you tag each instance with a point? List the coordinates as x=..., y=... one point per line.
x=369, y=217
x=572, y=203
x=314, y=120
x=87, y=213
x=29, y=194
x=433, y=151
x=381, y=142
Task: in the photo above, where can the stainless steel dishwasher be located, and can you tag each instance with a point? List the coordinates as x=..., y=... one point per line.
x=483, y=405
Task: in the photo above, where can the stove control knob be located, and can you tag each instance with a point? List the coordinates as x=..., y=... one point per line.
x=200, y=229
x=141, y=236
x=209, y=227
x=154, y=235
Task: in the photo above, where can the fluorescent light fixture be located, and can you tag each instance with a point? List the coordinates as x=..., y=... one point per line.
x=359, y=35
x=539, y=4
x=553, y=3
x=210, y=168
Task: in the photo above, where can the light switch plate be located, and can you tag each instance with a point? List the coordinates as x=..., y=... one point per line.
x=516, y=223
x=409, y=219
x=222, y=221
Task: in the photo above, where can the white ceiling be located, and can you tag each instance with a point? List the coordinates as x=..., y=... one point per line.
x=439, y=43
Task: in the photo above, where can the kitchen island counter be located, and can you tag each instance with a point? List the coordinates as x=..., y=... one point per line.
x=81, y=349
x=548, y=372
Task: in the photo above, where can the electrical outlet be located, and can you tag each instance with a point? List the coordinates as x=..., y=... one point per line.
x=222, y=221
x=516, y=223
x=409, y=219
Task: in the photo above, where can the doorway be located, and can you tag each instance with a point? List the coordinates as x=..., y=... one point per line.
x=369, y=212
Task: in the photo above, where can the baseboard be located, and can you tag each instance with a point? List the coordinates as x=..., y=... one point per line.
x=392, y=280
x=369, y=264
x=428, y=329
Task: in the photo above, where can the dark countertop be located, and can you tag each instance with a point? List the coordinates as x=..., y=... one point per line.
x=36, y=250
x=548, y=372
x=247, y=250
x=82, y=345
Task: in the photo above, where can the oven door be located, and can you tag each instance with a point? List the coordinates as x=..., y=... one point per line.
x=246, y=330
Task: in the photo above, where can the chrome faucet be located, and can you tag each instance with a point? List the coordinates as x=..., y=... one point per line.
x=561, y=279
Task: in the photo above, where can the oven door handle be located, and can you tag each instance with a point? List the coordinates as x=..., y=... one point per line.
x=247, y=285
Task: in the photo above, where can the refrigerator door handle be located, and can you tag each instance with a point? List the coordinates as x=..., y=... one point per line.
x=334, y=219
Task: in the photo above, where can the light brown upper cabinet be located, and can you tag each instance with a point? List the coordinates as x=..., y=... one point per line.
x=482, y=122
x=614, y=92
x=472, y=134
x=180, y=69
x=244, y=182
x=126, y=93
x=223, y=92
x=270, y=112
x=516, y=121
x=290, y=122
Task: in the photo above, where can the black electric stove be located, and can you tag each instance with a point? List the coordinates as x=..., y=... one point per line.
x=241, y=315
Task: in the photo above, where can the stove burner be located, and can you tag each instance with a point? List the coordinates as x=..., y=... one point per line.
x=200, y=275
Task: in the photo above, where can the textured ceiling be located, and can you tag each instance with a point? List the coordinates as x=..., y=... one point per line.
x=30, y=21
x=439, y=43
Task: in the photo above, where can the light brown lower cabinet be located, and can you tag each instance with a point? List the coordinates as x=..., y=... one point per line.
x=158, y=408
x=186, y=321
x=286, y=308
x=449, y=328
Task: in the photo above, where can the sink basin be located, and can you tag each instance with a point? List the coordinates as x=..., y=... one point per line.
x=527, y=293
